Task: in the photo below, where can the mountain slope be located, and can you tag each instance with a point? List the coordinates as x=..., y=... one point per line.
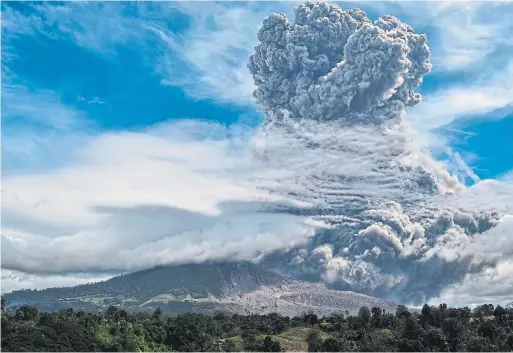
x=204, y=288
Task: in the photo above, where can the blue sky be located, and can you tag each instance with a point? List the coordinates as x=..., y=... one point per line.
x=89, y=86
x=120, y=83
x=115, y=87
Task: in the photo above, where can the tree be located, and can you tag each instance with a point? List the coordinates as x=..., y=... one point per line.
x=407, y=345
x=377, y=313
x=270, y=345
x=229, y=346
x=364, y=314
x=488, y=329
x=27, y=312
x=509, y=341
x=114, y=347
x=332, y=344
x=314, y=342
x=250, y=339
x=26, y=329
x=483, y=310
x=198, y=342
x=112, y=313
x=411, y=330
x=478, y=344
x=452, y=327
x=402, y=311
x=310, y=319
x=453, y=330
x=499, y=312
x=435, y=338
x=157, y=313
x=426, y=316
x=378, y=341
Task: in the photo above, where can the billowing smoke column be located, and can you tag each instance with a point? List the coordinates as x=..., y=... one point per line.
x=331, y=62
x=333, y=86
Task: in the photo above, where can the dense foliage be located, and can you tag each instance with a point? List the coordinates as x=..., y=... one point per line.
x=484, y=329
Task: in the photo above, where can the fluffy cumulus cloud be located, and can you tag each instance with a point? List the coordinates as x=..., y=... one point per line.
x=333, y=187
x=333, y=86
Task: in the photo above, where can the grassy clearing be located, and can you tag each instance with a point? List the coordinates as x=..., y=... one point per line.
x=295, y=339
x=291, y=340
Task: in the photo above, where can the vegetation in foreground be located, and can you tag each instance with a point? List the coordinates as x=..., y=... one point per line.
x=436, y=329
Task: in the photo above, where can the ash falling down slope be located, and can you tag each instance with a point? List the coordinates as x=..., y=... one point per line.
x=335, y=88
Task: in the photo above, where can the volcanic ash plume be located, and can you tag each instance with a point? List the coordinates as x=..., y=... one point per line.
x=333, y=86
x=330, y=63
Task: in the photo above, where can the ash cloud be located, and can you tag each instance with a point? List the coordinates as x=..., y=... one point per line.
x=334, y=86
x=330, y=62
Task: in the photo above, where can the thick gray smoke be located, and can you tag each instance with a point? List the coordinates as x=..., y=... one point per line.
x=333, y=86
x=331, y=62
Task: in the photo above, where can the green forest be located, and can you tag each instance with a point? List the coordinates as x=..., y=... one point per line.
x=434, y=328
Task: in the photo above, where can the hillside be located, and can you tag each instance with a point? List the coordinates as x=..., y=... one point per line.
x=206, y=288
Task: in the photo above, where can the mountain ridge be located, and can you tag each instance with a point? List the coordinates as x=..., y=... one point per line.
x=232, y=287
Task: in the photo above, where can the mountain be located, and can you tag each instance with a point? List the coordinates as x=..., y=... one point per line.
x=207, y=288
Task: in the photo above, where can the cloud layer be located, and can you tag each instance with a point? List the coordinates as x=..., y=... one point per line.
x=183, y=198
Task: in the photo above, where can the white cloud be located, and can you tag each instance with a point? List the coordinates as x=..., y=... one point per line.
x=485, y=95
x=216, y=48
x=472, y=70
x=40, y=108
x=208, y=59
x=133, y=200
x=95, y=100
x=485, y=194
x=469, y=35
x=15, y=280
x=465, y=33
x=73, y=20
x=38, y=130
x=493, y=285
